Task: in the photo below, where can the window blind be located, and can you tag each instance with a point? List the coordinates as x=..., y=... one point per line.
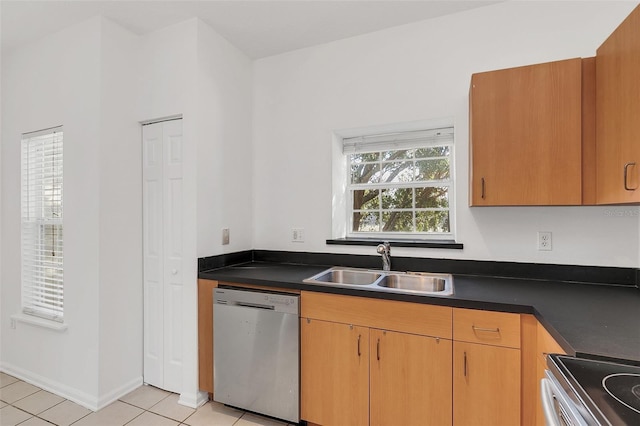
x=42, y=224
x=398, y=141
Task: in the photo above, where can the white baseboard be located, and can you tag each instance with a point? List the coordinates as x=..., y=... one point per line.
x=79, y=397
x=193, y=400
x=119, y=392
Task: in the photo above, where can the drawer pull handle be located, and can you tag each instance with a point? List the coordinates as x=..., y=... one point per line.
x=359, y=336
x=378, y=349
x=488, y=330
x=626, y=167
x=482, y=192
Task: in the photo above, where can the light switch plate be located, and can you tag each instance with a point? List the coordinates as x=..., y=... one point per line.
x=225, y=236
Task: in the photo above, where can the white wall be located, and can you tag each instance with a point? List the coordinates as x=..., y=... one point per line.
x=120, y=250
x=83, y=78
x=419, y=72
x=52, y=82
x=224, y=145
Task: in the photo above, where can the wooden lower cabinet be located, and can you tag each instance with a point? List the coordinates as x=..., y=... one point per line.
x=205, y=334
x=410, y=379
x=355, y=375
x=334, y=376
x=545, y=345
x=486, y=385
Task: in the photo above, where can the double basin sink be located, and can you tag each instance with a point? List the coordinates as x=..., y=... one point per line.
x=420, y=283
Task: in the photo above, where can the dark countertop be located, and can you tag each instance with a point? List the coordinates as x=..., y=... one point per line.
x=587, y=320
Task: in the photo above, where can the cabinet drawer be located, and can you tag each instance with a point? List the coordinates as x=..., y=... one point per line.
x=546, y=344
x=414, y=318
x=491, y=328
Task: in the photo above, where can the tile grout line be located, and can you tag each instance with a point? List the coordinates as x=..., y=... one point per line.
x=144, y=410
x=178, y=422
x=43, y=419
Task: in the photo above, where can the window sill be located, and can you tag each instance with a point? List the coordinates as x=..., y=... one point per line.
x=439, y=244
x=40, y=322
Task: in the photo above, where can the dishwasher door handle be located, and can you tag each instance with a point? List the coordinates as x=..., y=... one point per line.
x=254, y=305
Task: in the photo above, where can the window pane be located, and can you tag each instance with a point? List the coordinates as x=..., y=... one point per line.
x=366, y=222
x=366, y=199
x=432, y=221
x=397, y=171
x=432, y=169
x=436, y=151
x=397, y=155
x=397, y=198
x=432, y=197
x=365, y=173
x=397, y=221
x=366, y=157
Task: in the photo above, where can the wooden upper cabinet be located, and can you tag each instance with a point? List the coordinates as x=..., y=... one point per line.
x=618, y=114
x=526, y=135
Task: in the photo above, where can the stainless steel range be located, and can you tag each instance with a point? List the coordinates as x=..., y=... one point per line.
x=581, y=391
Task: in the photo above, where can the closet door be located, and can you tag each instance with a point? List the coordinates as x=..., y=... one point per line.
x=162, y=229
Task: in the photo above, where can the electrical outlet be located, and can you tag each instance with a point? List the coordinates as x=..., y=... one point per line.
x=13, y=323
x=297, y=235
x=225, y=236
x=544, y=241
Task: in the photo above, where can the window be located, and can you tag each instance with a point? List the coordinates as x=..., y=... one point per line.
x=400, y=184
x=42, y=224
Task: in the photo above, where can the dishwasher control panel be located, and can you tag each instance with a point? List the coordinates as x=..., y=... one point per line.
x=277, y=302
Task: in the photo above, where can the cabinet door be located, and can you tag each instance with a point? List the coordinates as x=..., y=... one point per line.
x=334, y=377
x=205, y=334
x=617, y=112
x=526, y=135
x=486, y=385
x=410, y=379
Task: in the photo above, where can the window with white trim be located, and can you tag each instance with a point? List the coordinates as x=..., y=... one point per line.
x=400, y=185
x=42, y=224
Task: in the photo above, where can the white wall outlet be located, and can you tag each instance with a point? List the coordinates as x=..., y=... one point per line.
x=297, y=235
x=225, y=236
x=544, y=241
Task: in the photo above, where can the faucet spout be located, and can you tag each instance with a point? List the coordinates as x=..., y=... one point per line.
x=385, y=250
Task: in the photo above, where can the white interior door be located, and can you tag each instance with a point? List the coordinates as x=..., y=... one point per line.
x=162, y=235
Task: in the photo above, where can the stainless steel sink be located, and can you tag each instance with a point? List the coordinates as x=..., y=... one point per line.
x=346, y=276
x=419, y=283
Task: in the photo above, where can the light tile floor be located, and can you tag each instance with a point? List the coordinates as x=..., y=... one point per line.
x=27, y=405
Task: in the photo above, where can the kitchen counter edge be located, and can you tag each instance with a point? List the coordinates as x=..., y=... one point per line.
x=587, y=320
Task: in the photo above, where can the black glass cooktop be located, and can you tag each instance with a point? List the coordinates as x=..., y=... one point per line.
x=612, y=389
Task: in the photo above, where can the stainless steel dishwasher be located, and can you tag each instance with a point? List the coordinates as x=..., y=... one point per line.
x=256, y=352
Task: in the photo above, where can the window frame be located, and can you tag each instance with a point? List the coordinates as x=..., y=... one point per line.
x=344, y=189
x=42, y=224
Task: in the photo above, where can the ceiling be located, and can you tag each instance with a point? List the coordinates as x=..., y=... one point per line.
x=258, y=28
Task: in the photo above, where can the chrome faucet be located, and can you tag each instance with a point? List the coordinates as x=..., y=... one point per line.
x=385, y=250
